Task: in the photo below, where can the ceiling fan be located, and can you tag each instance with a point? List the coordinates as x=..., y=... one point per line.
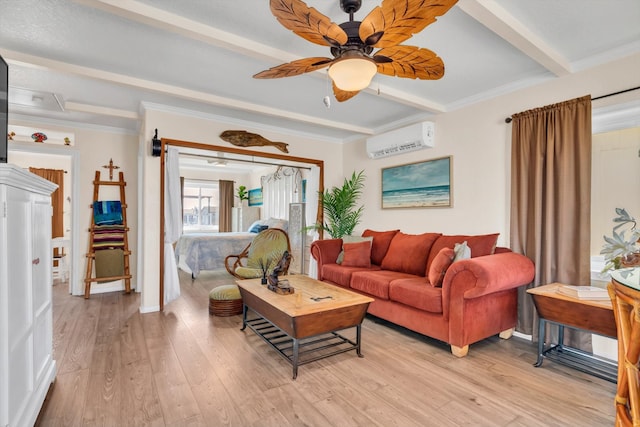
x=352, y=43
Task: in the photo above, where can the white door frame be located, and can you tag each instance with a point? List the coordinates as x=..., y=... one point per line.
x=76, y=285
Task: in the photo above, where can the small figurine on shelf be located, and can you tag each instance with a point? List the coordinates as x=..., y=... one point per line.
x=67, y=141
x=39, y=137
x=281, y=286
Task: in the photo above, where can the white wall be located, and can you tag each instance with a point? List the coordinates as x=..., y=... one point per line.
x=479, y=140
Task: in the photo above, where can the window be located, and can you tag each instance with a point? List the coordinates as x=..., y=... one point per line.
x=200, y=205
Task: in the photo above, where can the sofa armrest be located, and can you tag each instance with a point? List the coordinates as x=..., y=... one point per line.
x=325, y=252
x=476, y=277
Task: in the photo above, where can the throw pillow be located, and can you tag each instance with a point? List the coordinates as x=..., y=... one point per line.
x=380, y=245
x=357, y=254
x=408, y=253
x=461, y=251
x=351, y=239
x=439, y=266
x=480, y=245
x=256, y=227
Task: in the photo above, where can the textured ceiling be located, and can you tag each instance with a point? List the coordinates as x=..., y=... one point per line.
x=104, y=58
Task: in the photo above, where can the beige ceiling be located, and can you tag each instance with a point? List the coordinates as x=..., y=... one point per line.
x=105, y=60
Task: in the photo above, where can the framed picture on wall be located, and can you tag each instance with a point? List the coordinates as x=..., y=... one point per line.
x=255, y=197
x=424, y=184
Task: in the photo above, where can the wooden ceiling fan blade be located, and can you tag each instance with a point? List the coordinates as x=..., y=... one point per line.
x=343, y=95
x=381, y=59
x=411, y=62
x=401, y=19
x=307, y=22
x=294, y=68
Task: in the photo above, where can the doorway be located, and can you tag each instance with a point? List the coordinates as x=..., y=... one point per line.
x=65, y=158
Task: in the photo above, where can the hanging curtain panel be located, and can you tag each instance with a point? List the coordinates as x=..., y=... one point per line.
x=551, y=200
x=280, y=188
x=225, y=204
x=172, y=224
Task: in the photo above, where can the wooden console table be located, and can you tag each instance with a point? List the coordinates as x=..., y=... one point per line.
x=595, y=316
x=624, y=290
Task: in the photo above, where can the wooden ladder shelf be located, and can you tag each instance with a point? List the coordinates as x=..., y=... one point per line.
x=91, y=255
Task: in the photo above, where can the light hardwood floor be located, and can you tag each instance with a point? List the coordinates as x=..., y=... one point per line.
x=184, y=367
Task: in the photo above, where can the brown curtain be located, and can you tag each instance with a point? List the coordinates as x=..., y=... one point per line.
x=551, y=200
x=225, y=205
x=57, y=198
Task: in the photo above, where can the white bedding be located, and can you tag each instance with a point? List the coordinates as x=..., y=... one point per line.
x=207, y=251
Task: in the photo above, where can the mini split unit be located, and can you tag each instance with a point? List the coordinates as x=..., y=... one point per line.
x=403, y=140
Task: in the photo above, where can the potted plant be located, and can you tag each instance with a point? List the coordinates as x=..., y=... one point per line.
x=242, y=194
x=339, y=206
x=620, y=251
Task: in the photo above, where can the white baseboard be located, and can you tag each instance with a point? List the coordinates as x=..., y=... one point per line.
x=151, y=309
x=523, y=336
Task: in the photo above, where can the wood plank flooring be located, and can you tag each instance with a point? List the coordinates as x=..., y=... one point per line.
x=183, y=367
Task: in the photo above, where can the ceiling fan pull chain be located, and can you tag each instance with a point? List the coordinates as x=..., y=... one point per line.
x=327, y=99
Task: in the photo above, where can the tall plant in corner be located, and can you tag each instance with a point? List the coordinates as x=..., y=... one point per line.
x=339, y=206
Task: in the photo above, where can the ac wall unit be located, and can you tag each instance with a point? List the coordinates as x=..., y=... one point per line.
x=403, y=140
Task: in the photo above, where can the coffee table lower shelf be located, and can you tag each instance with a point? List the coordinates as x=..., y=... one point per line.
x=302, y=351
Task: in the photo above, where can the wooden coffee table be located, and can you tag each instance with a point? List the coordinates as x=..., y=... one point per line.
x=303, y=326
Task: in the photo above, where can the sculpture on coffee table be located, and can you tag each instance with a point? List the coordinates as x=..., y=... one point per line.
x=280, y=286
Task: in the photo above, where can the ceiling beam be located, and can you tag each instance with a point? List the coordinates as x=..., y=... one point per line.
x=100, y=110
x=493, y=16
x=26, y=60
x=167, y=21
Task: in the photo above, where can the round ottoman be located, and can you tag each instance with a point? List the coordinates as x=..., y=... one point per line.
x=225, y=300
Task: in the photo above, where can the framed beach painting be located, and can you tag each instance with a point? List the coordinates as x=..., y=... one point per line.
x=423, y=184
x=255, y=197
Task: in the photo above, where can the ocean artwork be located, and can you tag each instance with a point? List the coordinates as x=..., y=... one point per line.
x=422, y=184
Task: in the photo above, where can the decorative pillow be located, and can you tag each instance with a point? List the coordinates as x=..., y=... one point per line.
x=257, y=227
x=480, y=245
x=352, y=239
x=408, y=253
x=461, y=251
x=380, y=244
x=439, y=266
x=357, y=254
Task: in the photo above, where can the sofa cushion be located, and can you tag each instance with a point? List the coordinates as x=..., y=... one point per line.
x=480, y=245
x=380, y=244
x=341, y=275
x=408, y=253
x=357, y=254
x=439, y=266
x=352, y=239
x=376, y=283
x=415, y=293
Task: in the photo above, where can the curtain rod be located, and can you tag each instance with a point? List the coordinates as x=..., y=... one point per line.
x=508, y=119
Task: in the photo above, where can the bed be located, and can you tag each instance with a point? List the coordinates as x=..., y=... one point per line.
x=207, y=251
x=196, y=252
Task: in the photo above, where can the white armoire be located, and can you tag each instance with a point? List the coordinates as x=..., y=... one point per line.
x=27, y=368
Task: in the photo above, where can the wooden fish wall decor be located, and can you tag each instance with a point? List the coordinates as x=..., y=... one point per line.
x=242, y=138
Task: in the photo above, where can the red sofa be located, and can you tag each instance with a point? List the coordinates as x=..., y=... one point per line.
x=476, y=299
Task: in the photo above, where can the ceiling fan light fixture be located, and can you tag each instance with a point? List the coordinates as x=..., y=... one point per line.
x=353, y=73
